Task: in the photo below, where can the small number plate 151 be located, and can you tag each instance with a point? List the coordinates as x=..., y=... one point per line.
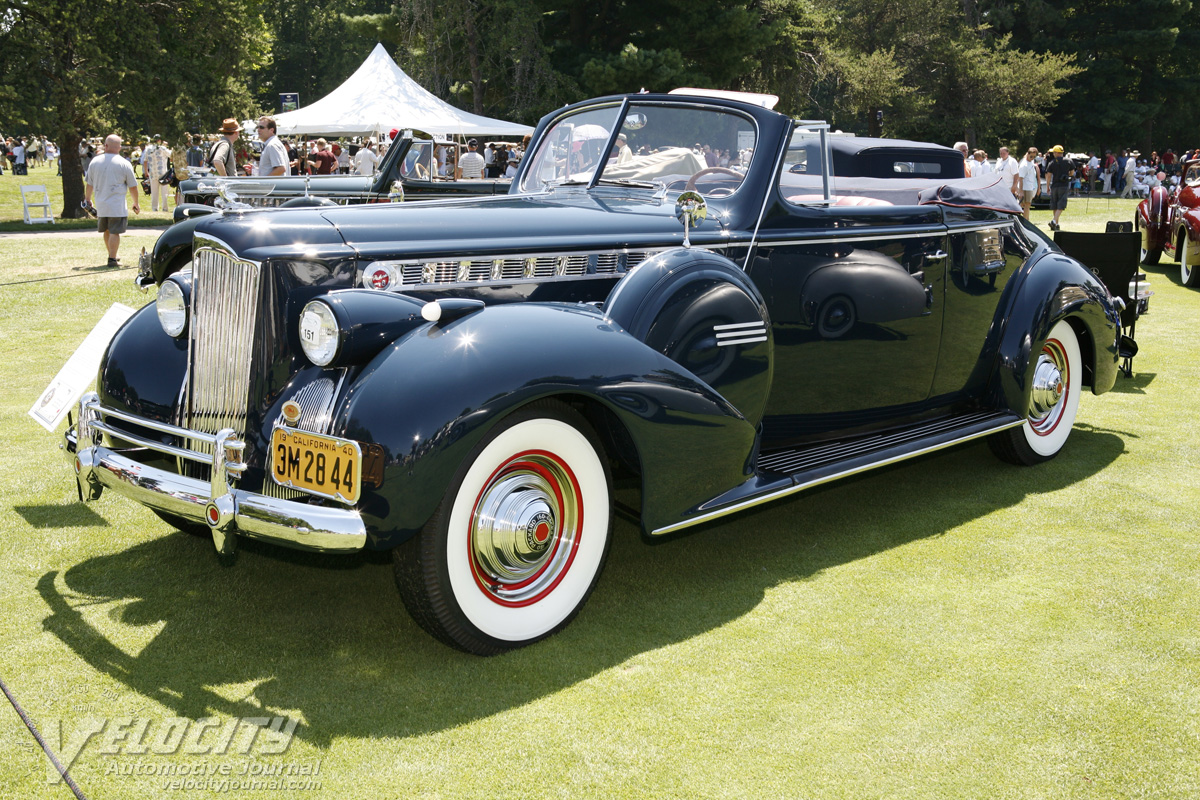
x=321, y=465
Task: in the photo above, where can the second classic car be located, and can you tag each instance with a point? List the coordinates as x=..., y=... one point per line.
x=1171, y=224
x=459, y=382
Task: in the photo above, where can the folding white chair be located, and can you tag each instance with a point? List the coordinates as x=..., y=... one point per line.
x=36, y=197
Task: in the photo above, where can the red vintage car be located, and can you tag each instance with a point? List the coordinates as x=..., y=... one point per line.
x=1172, y=225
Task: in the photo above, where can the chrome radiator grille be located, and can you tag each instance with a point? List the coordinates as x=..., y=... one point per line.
x=224, y=311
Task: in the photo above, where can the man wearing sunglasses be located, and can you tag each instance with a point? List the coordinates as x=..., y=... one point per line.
x=274, y=160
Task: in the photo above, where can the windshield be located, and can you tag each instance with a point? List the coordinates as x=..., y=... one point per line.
x=671, y=146
x=418, y=161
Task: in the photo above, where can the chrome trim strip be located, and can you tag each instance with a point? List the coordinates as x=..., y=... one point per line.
x=756, y=501
x=730, y=342
x=772, y=189
x=734, y=325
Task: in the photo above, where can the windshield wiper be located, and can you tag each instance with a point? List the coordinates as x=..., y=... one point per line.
x=566, y=182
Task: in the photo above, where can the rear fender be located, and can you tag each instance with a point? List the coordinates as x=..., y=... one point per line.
x=431, y=395
x=1054, y=288
x=1154, y=219
x=703, y=312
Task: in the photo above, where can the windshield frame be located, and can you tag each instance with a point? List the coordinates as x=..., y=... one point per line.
x=624, y=105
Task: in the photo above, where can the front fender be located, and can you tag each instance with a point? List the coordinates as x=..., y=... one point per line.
x=1055, y=287
x=173, y=249
x=432, y=395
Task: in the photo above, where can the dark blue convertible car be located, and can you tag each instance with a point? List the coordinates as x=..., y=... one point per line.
x=678, y=288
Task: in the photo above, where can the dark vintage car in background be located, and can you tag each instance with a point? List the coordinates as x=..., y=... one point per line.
x=459, y=381
x=1171, y=224
x=409, y=161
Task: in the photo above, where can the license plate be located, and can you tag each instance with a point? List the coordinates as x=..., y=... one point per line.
x=321, y=465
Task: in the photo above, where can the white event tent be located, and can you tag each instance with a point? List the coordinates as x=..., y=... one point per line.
x=379, y=96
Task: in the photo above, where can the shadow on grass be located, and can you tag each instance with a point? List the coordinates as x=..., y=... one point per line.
x=328, y=638
x=60, y=516
x=1134, y=385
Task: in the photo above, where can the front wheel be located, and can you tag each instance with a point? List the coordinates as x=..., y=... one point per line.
x=1053, y=403
x=519, y=539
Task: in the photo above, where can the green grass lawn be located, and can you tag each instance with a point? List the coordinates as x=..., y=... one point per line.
x=12, y=217
x=951, y=627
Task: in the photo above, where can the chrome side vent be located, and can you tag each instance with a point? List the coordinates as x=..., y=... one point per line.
x=411, y=274
x=440, y=272
x=606, y=263
x=507, y=268
x=474, y=271
x=542, y=267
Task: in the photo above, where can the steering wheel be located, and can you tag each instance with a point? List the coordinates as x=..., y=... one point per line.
x=691, y=184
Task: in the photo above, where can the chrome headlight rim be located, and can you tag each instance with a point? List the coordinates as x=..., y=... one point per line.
x=173, y=307
x=320, y=333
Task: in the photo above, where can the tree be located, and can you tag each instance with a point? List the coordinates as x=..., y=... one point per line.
x=1136, y=57
x=70, y=68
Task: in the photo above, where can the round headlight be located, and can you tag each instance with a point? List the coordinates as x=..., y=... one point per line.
x=172, y=309
x=319, y=333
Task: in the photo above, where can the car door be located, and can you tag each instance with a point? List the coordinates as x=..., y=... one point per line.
x=985, y=250
x=855, y=297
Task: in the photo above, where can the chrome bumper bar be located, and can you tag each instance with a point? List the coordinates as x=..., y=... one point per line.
x=228, y=511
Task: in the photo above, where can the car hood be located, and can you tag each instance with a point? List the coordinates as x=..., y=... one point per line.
x=301, y=233
x=563, y=219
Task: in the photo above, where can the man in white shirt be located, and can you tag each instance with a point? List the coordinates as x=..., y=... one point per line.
x=365, y=159
x=1027, y=175
x=1007, y=166
x=109, y=176
x=274, y=159
x=470, y=163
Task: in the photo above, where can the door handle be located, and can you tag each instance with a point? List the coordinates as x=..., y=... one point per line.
x=938, y=256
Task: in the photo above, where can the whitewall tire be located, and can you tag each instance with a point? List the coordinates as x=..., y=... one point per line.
x=520, y=538
x=1053, y=404
x=1189, y=275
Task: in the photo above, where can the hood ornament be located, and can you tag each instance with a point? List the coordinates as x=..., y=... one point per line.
x=691, y=210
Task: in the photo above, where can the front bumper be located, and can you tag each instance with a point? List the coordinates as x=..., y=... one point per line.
x=228, y=511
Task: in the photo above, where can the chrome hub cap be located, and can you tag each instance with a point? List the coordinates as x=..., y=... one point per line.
x=525, y=528
x=1049, y=388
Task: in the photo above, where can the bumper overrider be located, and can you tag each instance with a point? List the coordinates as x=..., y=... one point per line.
x=228, y=511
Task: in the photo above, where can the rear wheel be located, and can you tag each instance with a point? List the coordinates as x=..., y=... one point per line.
x=1188, y=274
x=520, y=537
x=1154, y=254
x=1054, y=401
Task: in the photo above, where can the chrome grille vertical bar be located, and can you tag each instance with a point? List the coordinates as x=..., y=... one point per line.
x=225, y=294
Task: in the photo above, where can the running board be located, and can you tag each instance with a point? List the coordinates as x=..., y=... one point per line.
x=785, y=472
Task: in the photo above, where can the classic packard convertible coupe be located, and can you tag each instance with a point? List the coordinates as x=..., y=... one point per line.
x=459, y=381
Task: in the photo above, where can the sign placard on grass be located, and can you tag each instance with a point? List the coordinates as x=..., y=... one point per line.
x=77, y=374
